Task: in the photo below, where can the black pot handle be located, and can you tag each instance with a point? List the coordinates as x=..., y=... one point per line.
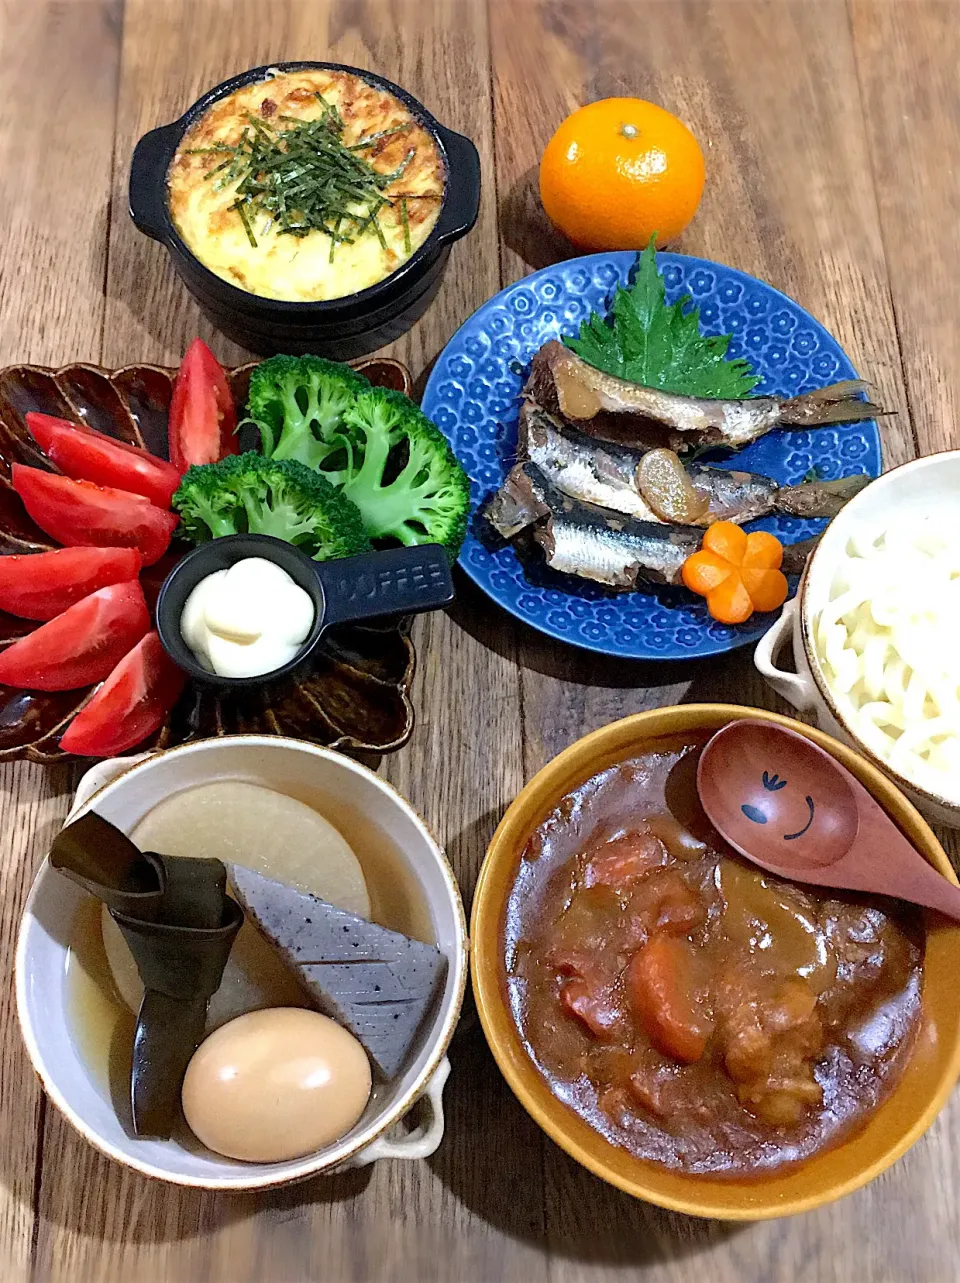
x=148, y=179
x=462, y=202
x=398, y=581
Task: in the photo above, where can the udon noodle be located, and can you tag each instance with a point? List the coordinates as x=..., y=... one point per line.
x=889, y=643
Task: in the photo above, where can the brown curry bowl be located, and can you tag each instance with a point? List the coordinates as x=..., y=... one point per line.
x=828, y=1175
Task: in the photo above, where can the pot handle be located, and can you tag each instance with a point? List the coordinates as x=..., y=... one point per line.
x=102, y=773
x=148, y=179
x=794, y=688
x=462, y=203
x=423, y=1140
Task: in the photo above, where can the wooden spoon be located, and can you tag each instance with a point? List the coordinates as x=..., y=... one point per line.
x=791, y=808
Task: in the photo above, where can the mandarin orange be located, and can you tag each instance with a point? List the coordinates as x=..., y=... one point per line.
x=619, y=171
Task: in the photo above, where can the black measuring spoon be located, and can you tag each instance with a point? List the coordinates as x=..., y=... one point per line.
x=398, y=581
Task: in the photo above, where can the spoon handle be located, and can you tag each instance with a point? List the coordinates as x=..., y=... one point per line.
x=398, y=581
x=886, y=857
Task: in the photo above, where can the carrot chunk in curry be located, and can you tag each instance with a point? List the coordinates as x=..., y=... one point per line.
x=664, y=998
x=695, y=1011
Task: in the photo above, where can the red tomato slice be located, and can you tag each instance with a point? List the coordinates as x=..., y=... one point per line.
x=153, y=577
x=80, y=646
x=130, y=705
x=86, y=455
x=78, y=512
x=203, y=418
x=42, y=585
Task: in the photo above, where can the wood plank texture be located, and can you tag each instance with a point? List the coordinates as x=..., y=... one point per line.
x=462, y=768
x=771, y=91
x=907, y=57
x=789, y=198
x=54, y=202
x=832, y=135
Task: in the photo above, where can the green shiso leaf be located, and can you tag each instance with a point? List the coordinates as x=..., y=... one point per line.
x=645, y=340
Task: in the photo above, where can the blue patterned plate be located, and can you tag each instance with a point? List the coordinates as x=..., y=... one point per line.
x=472, y=395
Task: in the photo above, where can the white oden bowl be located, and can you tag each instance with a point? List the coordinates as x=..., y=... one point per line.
x=913, y=490
x=338, y=787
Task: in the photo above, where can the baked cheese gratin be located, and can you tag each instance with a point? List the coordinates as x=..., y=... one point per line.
x=308, y=185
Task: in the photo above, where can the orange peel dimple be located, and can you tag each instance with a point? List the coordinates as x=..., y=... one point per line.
x=620, y=171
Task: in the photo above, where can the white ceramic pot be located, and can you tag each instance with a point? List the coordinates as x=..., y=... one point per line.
x=911, y=490
x=123, y=791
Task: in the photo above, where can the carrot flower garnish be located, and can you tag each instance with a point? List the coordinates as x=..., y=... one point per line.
x=736, y=572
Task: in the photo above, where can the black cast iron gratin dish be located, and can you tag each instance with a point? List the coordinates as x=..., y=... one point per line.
x=342, y=328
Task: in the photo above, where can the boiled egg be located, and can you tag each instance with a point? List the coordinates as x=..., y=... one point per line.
x=275, y=1085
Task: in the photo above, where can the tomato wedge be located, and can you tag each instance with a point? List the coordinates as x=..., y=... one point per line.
x=78, y=512
x=86, y=455
x=203, y=418
x=41, y=585
x=130, y=705
x=82, y=645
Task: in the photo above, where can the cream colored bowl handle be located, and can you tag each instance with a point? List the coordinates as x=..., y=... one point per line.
x=104, y=772
x=423, y=1140
x=795, y=689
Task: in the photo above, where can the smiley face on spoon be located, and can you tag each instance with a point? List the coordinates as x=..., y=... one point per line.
x=785, y=804
x=773, y=800
x=773, y=783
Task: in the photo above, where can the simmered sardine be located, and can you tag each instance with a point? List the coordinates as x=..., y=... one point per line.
x=589, y=541
x=615, y=410
x=597, y=543
x=611, y=475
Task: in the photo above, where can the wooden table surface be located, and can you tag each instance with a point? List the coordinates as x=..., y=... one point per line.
x=831, y=130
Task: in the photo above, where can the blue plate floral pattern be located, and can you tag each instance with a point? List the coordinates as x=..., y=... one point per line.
x=472, y=395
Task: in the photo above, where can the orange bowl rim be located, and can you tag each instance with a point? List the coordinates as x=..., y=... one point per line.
x=500, y=1031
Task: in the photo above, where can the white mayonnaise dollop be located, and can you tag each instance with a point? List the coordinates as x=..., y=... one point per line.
x=248, y=620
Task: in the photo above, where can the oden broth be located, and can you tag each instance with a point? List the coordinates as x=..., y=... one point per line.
x=103, y=1022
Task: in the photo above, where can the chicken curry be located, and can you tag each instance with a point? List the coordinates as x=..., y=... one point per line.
x=695, y=1011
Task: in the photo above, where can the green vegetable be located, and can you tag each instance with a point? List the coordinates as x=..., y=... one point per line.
x=401, y=473
x=645, y=341
x=405, y=221
x=298, y=403
x=304, y=178
x=247, y=493
x=373, y=444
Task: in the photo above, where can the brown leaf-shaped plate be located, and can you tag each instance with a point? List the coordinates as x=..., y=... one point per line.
x=357, y=698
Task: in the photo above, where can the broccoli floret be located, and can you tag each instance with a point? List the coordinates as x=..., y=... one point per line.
x=250, y=494
x=402, y=474
x=298, y=403
x=207, y=501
